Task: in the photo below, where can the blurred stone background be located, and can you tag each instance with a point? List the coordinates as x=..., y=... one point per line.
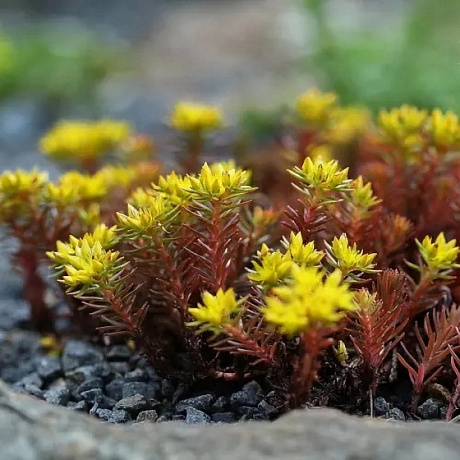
x=134, y=59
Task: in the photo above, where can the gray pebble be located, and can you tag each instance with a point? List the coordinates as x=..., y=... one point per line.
x=49, y=368
x=381, y=407
x=119, y=416
x=147, y=416
x=118, y=353
x=202, y=403
x=195, y=416
x=223, y=417
x=132, y=404
x=58, y=396
x=396, y=414
x=429, y=409
x=144, y=389
x=250, y=395
x=77, y=353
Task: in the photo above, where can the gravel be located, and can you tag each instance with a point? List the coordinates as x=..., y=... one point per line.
x=88, y=378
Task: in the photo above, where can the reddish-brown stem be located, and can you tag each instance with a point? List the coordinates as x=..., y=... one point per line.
x=89, y=165
x=194, y=150
x=35, y=290
x=312, y=343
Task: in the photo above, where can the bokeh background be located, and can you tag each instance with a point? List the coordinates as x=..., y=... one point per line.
x=134, y=59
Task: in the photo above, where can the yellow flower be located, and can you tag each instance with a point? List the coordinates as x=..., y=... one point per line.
x=105, y=236
x=175, y=187
x=439, y=255
x=346, y=124
x=116, y=176
x=322, y=176
x=402, y=127
x=311, y=299
x=220, y=182
x=18, y=189
x=302, y=254
x=348, y=258
x=147, y=221
x=362, y=198
x=86, y=263
x=216, y=310
x=444, y=129
x=74, y=187
x=316, y=107
x=320, y=152
x=197, y=118
x=83, y=140
x=273, y=267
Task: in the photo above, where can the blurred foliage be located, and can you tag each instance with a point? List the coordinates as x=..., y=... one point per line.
x=417, y=64
x=54, y=63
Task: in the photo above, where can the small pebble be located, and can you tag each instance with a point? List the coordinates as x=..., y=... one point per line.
x=381, y=407
x=202, y=403
x=267, y=409
x=429, y=410
x=92, y=396
x=114, y=389
x=223, y=417
x=219, y=405
x=147, y=416
x=137, y=375
x=80, y=406
x=77, y=353
x=167, y=389
x=144, y=389
x=104, y=414
x=90, y=384
x=58, y=396
x=250, y=395
x=118, y=353
x=132, y=404
x=49, y=368
x=396, y=414
x=32, y=379
x=195, y=416
x=120, y=416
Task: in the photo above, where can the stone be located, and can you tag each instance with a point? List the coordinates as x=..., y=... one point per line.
x=58, y=396
x=137, y=375
x=92, y=396
x=147, y=416
x=90, y=384
x=118, y=353
x=114, y=389
x=120, y=416
x=77, y=353
x=144, y=389
x=429, y=409
x=396, y=414
x=80, y=406
x=250, y=395
x=267, y=409
x=31, y=429
x=104, y=414
x=49, y=368
x=223, y=417
x=220, y=404
x=132, y=404
x=194, y=416
x=202, y=403
x=381, y=407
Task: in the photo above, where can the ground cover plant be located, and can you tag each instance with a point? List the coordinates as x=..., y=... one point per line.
x=326, y=271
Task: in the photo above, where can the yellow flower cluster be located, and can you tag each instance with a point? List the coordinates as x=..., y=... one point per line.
x=362, y=198
x=274, y=266
x=221, y=181
x=440, y=255
x=216, y=310
x=116, y=176
x=82, y=140
x=315, y=107
x=175, y=187
x=349, y=259
x=312, y=298
x=444, y=129
x=195, y=118
x=87, y=262
x=148, y=220
x=318, y=178
x=76, y=188
x=16, y=190
x=402, y=126
x=346, y=124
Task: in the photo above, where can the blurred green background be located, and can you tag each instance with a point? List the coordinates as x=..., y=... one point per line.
x=133, y=60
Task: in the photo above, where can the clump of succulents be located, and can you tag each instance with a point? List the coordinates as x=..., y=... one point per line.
x=341, y=268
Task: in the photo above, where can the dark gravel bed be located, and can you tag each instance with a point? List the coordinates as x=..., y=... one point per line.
x=117, y=385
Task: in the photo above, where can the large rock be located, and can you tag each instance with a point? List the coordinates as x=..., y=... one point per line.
x=32, y=430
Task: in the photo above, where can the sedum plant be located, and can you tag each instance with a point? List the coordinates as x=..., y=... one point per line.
x=327, y=282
